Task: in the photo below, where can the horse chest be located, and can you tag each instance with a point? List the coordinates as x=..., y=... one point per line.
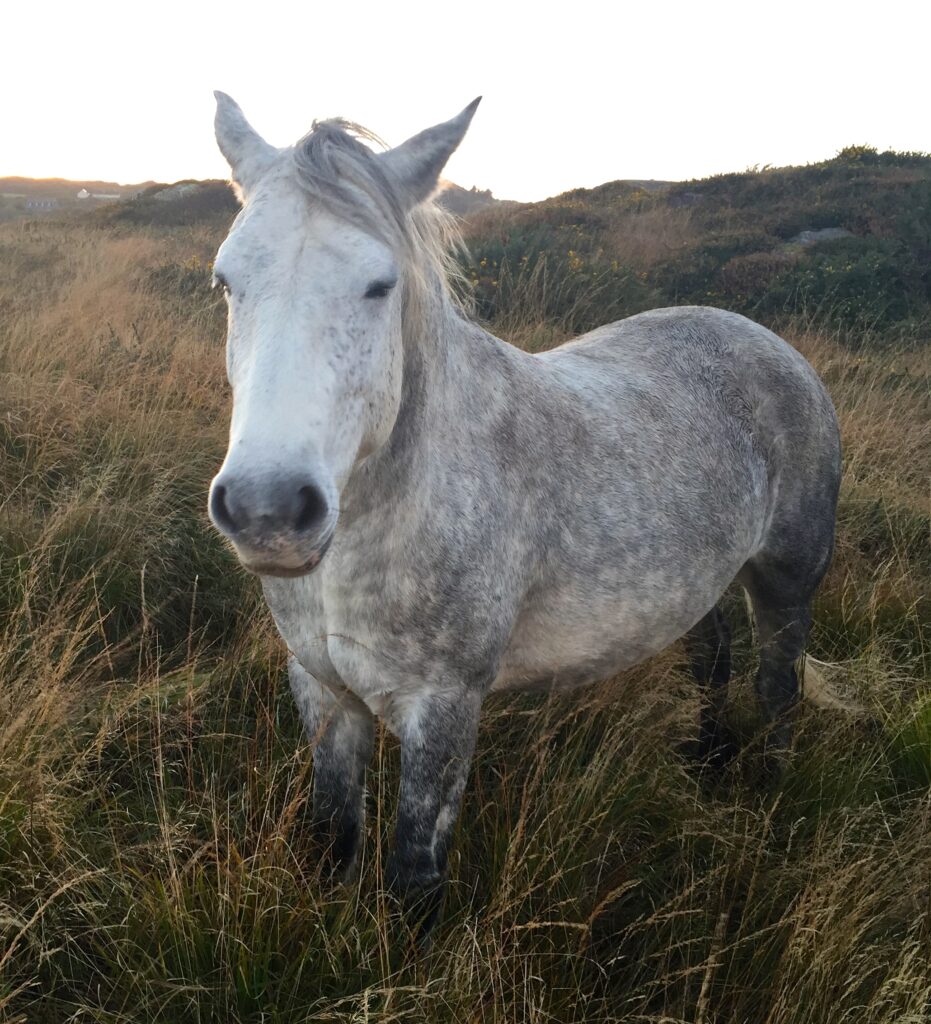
x=373, y=633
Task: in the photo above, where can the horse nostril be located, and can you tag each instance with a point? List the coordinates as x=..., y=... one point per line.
x=312, y=508
x=219, y=509
x=258, y=515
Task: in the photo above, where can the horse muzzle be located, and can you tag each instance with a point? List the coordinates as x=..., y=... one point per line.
x=282, y=528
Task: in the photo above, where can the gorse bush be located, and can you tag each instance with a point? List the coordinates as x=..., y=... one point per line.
x=857, y=282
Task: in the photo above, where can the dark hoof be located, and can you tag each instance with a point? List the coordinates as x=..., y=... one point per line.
x=777, y=753
x=338, y=854
x=775, y=766
x=711, y=757
x=420, y=890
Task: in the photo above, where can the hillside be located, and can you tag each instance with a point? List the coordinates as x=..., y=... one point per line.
x=183, y=202
x=22, y=198
x=65, y=188
x=845, y=243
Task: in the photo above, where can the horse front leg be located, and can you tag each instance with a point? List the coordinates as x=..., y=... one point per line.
x=341, y=730
x=437, y=730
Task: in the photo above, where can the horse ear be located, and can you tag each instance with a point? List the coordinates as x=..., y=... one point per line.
x=247, y=153
x=417, y=163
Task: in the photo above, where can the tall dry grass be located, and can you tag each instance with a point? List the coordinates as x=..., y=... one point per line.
x=155, y=859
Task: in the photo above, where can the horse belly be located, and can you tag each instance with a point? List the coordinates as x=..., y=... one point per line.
x=571, y=639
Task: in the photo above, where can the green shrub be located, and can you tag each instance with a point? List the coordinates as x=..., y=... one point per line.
x=854, y=282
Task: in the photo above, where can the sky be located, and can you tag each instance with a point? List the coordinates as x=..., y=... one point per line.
x=575, y=94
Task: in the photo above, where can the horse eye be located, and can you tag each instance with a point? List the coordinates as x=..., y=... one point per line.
x=219, y=281
x=379, y=289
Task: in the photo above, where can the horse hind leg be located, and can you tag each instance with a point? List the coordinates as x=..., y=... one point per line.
x=781, y=577
x=780, y=597
x=708, y=644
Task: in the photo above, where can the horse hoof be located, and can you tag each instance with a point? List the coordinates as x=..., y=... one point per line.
x=714, y=758
x=420, y=891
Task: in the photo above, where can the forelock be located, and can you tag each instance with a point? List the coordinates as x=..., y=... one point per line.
x=336, y=168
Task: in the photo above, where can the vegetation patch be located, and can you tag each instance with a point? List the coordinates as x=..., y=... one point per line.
x=156, y=860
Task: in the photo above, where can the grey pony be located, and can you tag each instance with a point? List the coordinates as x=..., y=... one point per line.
x=518, y=520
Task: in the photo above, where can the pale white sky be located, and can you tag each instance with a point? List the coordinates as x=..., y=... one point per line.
x=575, y=94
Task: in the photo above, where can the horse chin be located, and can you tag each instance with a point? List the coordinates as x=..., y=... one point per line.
x=282, y=572
x=260, y=568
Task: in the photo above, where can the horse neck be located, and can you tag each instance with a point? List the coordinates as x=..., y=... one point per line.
x=434, y=364
x=443, y=371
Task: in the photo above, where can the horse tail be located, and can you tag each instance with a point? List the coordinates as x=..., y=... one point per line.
x=813, y=682
x=817, y=689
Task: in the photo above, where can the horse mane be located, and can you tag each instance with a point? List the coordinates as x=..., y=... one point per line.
x=337, y=169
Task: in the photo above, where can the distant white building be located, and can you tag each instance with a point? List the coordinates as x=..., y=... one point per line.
x=84, y=194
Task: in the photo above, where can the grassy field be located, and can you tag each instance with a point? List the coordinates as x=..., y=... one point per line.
x=155, y=858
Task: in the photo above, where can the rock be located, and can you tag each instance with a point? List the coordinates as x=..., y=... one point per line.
x=813, y=236
x=174, y=192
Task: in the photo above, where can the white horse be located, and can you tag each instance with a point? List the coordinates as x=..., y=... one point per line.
x=435, y=514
